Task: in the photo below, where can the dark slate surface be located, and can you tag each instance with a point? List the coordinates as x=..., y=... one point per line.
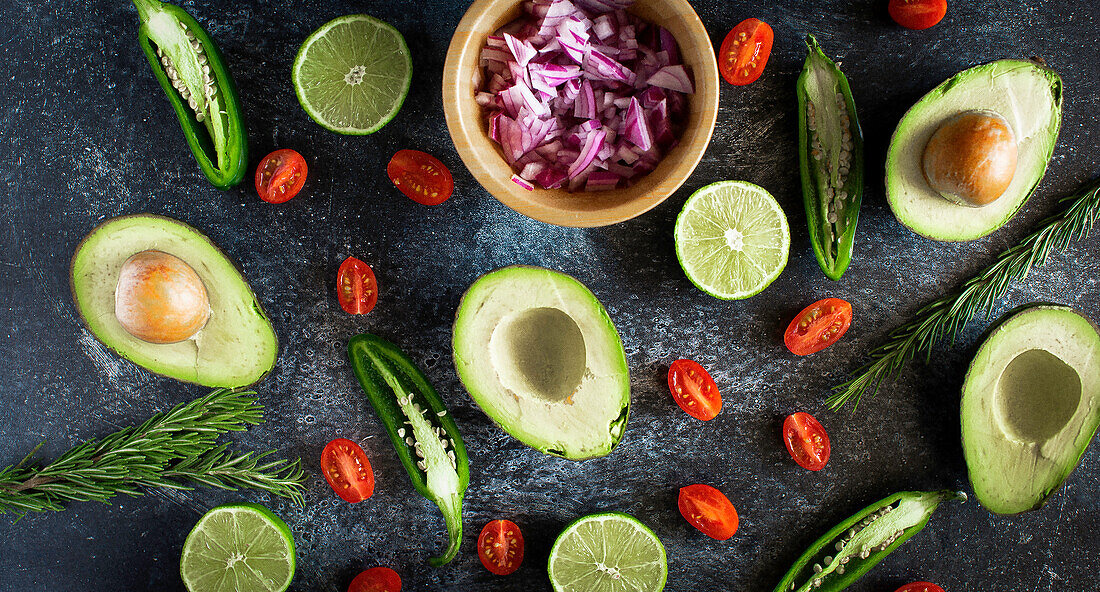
x=87, y=135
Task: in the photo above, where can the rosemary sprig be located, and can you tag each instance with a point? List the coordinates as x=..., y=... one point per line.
x=947, y=316
x=169, y=450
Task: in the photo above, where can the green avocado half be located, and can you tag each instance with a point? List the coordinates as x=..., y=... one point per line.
x=1030, y=406
x=538, y=353
x=236, y=347
x=1026, y=94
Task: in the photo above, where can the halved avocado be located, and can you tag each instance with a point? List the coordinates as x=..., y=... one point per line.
x=1030, y=406
x=539, y=354
x=1026, y=94
x=236, y=347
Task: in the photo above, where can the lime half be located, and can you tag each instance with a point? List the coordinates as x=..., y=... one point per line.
x=732, y=239
x=352, y=74
x=238, y=548
x=608, y=553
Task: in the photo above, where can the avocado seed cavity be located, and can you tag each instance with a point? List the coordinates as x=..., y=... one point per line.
x=539, y=351
x=160, y=299
x=971, y=158
x=1037, y=394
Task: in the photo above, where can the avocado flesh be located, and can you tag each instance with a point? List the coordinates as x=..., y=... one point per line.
x=538, y=353
x=1030, y=407
x=236, y=347
x=1027, y=95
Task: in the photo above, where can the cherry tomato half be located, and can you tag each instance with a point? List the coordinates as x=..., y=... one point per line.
x=745, y=51
x=709, y=510
x=280, y=175
x=347, y=470
x=500, y=547
x=694, y=390
x=917, y=14
x=421, y=177
x=806, y=440
x=356, y=287
x=376, y=579
x=920, y=587
x=818, y=326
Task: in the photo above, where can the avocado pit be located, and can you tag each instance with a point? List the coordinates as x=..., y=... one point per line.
x=540, y=351
x=159, y=298
x=1037, y=395
x=971, y=158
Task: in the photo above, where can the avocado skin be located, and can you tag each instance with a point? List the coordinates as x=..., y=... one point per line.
x=260, y=353
x=977, y=452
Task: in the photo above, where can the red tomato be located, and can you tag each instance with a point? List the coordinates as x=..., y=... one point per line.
x=745, y=51
x=356, y=286
x=818, y=326
x=920, y=587
x=709, y=510
x=347, y=470
x=806, y=440
x=500, y=547
x=421, y=177
x=376, y=579
x=917, y=14
x=280, y=175
x=694, y=390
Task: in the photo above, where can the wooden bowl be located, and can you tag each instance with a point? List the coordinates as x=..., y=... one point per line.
x=469, y=130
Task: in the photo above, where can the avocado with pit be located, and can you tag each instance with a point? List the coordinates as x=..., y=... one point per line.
x=162, y=295
x=1030, y=406
x=999, y=122
x=539, y=354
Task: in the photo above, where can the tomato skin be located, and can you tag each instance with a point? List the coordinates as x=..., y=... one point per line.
x=745, y=51
x=376, y=579
x=500, y=547
x=917, y=14
x=356, y=286
x=420, y=176
x=818, y=326
x=280, y=176
x=347, y=470
x=920, y=587
x=806, y=441
x=708, y=510
x=694, y=390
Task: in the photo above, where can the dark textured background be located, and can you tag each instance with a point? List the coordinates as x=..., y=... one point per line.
x=87, y=134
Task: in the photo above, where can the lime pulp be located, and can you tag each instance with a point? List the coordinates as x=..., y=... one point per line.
x=238, y=548
x=611, y=552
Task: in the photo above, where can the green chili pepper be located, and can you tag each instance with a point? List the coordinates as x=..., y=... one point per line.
x=857, y=544
x=425, y=436
x=190, y=69
x=830, y=146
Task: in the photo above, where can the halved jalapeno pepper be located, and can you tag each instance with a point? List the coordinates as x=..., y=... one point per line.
x=190, y=69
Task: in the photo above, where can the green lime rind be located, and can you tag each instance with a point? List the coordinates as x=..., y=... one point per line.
x=238, y=548
x=356, y=47
x=608, y=552
x=732, y=239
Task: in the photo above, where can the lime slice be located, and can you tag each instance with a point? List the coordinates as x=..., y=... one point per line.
x=352, y=74
x=238, y=548
x=732, y=239
x=607, y=553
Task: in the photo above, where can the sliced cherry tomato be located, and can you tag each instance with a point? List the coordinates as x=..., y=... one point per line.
x=376, y=579
x=280, y=175
x=920, y=587
x=421, y=177
x=709, y=510
x=694, y=390
x=745, y=51
x=806, y=440
x=917, y=14
x=818, y=326
x=500, y=547
x=356, y=286
x=347, y=470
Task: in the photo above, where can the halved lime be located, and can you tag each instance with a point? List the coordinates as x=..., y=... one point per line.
x=238, y=548
x=732, y=239
x=607, y=553
x=352, y=74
